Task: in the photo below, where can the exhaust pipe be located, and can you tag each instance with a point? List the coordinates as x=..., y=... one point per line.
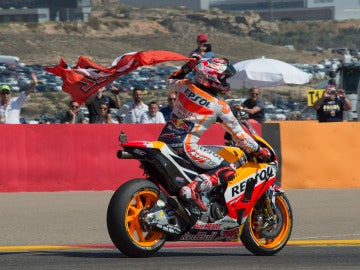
x=121, y=154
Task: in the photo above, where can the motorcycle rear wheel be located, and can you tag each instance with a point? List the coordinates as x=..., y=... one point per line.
x=270, y=239
x=124, y=219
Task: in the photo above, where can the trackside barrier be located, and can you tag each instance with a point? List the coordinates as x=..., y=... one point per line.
x=60, y=157
x=320, y=155
x=83, y=157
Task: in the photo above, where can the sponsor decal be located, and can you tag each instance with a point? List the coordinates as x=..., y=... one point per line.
x=179, y=179
x=207, y=226
x=199, y=157
x=184, y=114
x=228, y=235
x=200, y=236
x=208, y=151
x=258, y=177
x=198, y=99
x=179, y=124
x=218, y=235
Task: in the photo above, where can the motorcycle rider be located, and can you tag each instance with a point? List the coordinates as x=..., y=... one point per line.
x=197, y=107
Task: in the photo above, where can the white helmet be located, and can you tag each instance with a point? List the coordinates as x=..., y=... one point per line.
x=213, y=72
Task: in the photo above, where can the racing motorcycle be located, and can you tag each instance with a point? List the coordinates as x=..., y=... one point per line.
x=144, y=213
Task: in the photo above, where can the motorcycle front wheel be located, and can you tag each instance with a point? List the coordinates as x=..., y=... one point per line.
x=265, y=234
x=125, y=213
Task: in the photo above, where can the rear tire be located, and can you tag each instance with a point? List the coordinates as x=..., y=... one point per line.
x=124, y=219
x=268, y=240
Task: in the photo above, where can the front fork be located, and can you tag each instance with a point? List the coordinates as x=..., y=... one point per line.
x=267, y=217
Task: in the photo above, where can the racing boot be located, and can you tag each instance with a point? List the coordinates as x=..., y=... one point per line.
x=204, y=183
x=223, y=175
x=191, y=192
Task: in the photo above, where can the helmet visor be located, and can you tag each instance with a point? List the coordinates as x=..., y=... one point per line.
x=230, y=71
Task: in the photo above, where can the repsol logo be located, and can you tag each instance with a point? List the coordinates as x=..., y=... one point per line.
x=192, y=96
x=260, y=176
x=208, y=151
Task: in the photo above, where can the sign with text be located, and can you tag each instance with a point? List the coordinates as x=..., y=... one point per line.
x=313, y=95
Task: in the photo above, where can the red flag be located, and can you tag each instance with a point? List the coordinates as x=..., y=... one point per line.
x=87, y=77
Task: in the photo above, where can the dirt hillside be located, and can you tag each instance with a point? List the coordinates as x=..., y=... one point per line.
x=114, y=29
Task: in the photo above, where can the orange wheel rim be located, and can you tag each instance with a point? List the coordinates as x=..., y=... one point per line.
x=140, y=201
x=281, y=236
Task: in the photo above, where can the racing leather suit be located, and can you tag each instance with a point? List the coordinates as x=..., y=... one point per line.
x=194, y=112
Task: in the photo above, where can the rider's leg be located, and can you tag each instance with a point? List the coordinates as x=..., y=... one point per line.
x=205, y=182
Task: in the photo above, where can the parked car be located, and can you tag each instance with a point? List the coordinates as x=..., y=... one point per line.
x=11, y=60
x=316, y=49
x=341, y=51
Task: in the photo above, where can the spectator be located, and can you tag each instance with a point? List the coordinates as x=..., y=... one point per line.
x=253, y=106
x=332, y=79
x=93, y=102
x=204, y=48
x=153, y=115
x=166, y=111
x=73, y=115
x=11, y=107
x=331, y=105
x=104, y=117
x=130, y=112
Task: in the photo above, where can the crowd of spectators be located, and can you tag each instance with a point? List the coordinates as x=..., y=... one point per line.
x=123, y=111
x=16, y=80
x=19, y=79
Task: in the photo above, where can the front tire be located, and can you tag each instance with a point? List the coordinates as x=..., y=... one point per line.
x=124, y=219
x=267, y=239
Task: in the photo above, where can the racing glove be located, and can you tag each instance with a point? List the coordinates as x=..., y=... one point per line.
x=190, y=65
x=263, y=154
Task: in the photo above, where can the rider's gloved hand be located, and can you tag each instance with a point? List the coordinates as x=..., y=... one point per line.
x=196, y=56
x=263, y=154
x=190, y=65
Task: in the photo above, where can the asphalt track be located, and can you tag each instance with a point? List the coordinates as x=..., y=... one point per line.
x=61, y=226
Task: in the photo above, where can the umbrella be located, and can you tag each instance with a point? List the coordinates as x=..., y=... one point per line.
x=264, y=72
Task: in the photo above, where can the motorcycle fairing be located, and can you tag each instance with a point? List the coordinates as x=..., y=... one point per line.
x=241, y=193
x=247, y=186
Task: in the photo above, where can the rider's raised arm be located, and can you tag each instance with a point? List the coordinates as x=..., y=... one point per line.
x=185, y=69
x=176, y=81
